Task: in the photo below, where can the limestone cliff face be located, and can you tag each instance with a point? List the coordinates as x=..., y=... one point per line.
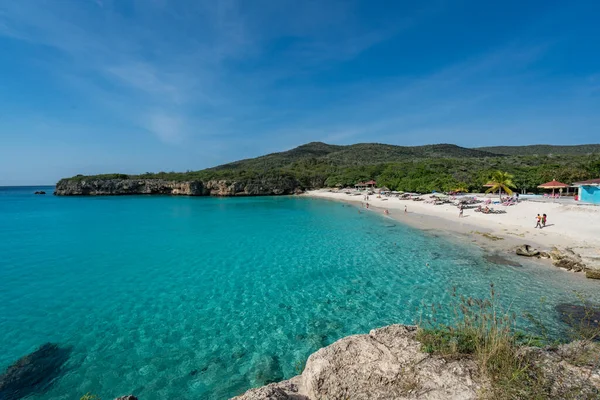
x=108, y=187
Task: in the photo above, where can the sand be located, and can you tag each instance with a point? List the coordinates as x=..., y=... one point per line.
x=568, y=226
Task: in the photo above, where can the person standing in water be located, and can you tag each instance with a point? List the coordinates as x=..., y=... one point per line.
x=539, y=221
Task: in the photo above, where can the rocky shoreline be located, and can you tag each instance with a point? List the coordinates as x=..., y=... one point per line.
x=114, y=187
x=388, y=363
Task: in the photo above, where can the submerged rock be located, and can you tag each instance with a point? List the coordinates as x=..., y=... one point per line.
x=33, y=373
x=268, y=370
x=501, y=260
x=580, y=316
x=128, y=397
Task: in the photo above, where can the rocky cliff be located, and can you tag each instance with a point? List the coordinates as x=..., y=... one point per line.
x=388, y=364
x=107, y=187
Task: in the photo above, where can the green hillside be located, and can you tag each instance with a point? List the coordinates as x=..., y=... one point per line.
x=543, y=150
x=440, y=167
x=356, y=154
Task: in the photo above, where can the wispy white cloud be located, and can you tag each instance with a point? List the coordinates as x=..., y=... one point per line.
x=167, y=127
x=215, y=75
x=186, y=73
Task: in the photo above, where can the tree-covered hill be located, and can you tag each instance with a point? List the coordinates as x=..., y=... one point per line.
x=543, y=150
x=356, y=154
x=440, y=167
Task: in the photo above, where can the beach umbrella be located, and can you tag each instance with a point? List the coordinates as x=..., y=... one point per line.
x=553, y=184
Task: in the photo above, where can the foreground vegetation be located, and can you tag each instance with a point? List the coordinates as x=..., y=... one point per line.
x=415, y=169
x=483, y=330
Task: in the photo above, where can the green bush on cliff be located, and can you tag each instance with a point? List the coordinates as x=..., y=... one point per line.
x=415, y=169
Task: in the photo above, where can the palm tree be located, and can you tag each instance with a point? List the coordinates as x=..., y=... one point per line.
x=501, y=181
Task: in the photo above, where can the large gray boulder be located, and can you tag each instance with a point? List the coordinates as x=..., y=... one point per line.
x=388, y=364
x=385, y=364
x=527, y=251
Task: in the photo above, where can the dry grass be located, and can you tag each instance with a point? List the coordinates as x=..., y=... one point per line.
x=484, y=331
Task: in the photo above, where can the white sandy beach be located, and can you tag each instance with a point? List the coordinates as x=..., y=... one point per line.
x=569, y=225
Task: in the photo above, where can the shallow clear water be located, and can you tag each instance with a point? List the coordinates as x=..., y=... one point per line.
x=203, y=298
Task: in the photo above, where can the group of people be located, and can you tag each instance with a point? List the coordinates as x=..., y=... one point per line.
x=541, y=221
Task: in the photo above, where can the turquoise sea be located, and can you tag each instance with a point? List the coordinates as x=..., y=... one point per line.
x=203, y=298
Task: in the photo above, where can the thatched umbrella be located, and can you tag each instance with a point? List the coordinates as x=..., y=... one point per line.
x=553, y=184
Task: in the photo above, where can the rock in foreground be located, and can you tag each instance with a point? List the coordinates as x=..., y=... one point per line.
x=385, y=364
x=388, y=364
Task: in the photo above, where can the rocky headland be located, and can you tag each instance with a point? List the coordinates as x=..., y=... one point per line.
x=132, y=186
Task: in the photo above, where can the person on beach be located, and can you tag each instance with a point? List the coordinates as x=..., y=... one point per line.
x=460, y=214
x=367, y=205
x=544, y=218
x=405, y=209
x=539, y=221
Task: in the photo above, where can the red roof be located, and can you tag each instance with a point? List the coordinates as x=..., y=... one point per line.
x=489, y=184
x=371, y=183
x=588, y=182
x=553, y=185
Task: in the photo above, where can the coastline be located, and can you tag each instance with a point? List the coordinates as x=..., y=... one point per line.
x=494, y=233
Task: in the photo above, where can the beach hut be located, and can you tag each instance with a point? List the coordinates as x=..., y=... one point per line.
x=553, y=184
x=588, y=191
x=489, y=185
x=370, y=184
x=360, y=186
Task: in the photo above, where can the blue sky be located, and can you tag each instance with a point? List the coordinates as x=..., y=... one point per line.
x=95, y=86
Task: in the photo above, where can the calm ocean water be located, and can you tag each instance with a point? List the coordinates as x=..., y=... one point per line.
x=203, y=298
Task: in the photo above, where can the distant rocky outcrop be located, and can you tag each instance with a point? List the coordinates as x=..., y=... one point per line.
x=40, y=192
x=565, y=258
x=34, y=372
x=388, y=364
x=108, y=187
